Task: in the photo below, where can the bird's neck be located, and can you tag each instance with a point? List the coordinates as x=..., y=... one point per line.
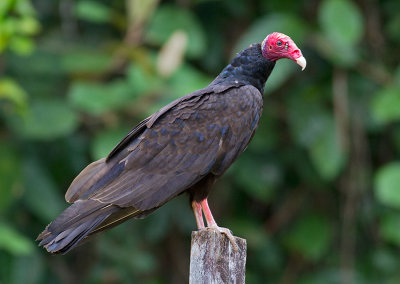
x=249, y=67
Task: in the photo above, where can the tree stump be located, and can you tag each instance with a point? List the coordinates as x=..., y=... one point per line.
x=213, y=259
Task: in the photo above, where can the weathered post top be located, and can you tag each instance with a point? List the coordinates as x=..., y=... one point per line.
x=213, y=259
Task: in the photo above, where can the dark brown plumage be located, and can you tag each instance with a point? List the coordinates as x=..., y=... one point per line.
x=184, y=147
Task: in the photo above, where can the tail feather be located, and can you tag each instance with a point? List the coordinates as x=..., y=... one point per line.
x=82, y=220
x=72, y=237
x=74, y=224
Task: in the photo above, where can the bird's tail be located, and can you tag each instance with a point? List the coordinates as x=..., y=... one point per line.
x=77, y=222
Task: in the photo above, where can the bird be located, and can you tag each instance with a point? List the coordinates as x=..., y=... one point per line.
x=183, y=147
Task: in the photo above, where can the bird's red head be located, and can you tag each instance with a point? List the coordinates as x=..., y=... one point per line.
x=276, y=46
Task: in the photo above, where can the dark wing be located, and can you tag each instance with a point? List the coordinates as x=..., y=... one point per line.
x=199, y=135
x=148, y=122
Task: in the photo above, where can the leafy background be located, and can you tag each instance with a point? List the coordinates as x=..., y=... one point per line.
x=316, y=194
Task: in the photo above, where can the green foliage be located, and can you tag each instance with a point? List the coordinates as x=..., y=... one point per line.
x=325, y=151
x=389, y=228
x=93, y=11
x=258, y=179
x=47, y=119
x=14, y=242
x=11, y=91
x=314, y=128
x=387, y=181
x=86, y=61
x=98, y=98
x=341, y=20
x=311, y=237
x=316, y=193
x=40, y=193
x=342, y=24
x=384, y=107
x=191, y=77
x=168, y=19
x=141, y=80
x=17, y=25
x=10, y=164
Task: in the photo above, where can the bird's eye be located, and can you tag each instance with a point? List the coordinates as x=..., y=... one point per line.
x=278, y=43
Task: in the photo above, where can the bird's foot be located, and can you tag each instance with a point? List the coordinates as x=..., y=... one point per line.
x=227, y=233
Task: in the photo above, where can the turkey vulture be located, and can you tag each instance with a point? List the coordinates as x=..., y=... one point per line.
x=183, y=147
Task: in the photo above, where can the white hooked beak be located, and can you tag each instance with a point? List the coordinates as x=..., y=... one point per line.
x=302, y=62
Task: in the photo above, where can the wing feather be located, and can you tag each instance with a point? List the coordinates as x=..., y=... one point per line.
x=164, y=156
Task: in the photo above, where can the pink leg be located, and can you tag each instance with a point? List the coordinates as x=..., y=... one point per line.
x=207, y=213
x=198, y=214
x=212, y=225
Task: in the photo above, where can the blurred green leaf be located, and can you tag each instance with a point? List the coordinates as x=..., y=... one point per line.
x=186, y=80
x=307, y=117
x=22, y=45
x=28, y=26
x=3, y=41
x=390, y=227
x=144, y=262
x=269, y=255
x=397, y=76
x=282, y=72
x=5, y=7
x=341, y=21
x=326, y=276
x=93, y=11
x=387, y=184
x=86, y=61
x=342, y=24
x=314, y=128
x=98, y=98
x=47, y=119
x=17, y=22
x=32, y=68
x=311, y=236
x=139, y=11
x=338, y=54
x=392, y=27
x=142, y=80
x=24, y=7
x=385, y=260
x=396, y=138
x=10, y=90
x=41, y=194
x=10, y=174
x=14, y=242
x=257, y=178
x=106, y=140
x=9, y=26
x=33, y=267
x=326, y=153
x=266, y=136
x=167, y=19
x=385, y=106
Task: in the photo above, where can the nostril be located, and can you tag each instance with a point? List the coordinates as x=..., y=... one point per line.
x=296, y=53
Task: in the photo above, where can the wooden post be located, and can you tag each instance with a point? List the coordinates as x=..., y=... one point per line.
x=214, y=260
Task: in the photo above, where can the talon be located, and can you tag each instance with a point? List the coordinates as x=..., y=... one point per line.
x=227, y=233
x=212, y=225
